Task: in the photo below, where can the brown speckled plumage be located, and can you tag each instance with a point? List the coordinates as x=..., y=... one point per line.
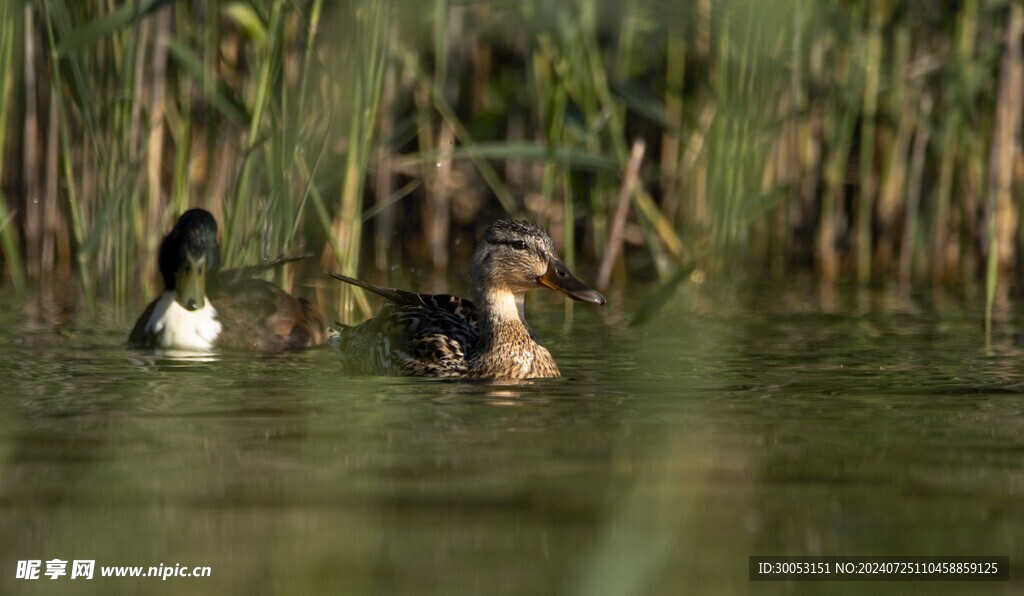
x=445, y=336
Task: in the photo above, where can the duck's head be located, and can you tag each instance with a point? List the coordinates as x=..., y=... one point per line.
x=518, y=256
x=188, y=255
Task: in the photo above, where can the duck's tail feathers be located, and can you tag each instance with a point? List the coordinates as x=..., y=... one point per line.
x=335, y=333
x=387, y=293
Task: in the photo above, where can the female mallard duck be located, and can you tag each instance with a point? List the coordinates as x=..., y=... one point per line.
x=249, y=313
x=446, y=336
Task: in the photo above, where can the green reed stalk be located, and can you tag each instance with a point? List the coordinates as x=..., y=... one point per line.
x=991, y=276
x=587, y=82
x=1000, y=212
x=301, y=105
x=10, y=13
x=269, y=64
x=127, y=82
x=309, y=54
x=872, y=58
x=839, y=128
x=554, y=134
x=462, y=134
x=941, y=221
x=964, y=70
x=363, y=89
x=126, y=139
x=595, y=78
x=56, y=9
x=672, y=140
x=908, y=242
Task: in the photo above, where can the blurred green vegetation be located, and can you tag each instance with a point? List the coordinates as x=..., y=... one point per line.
x=872, y=140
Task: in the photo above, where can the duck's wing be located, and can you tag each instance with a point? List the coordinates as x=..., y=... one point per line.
x=142, y=336
x=414, y=334
x=407, y=341
x=460, y=308
x=257, y=314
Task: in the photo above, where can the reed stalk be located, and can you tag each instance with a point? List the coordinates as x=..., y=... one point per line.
x=872, y=59
x=366, y=74
x=629, y=187
x=1001, y=213
x=57, y=11
x=777, y=133
x=10, y=14
x=914, y=184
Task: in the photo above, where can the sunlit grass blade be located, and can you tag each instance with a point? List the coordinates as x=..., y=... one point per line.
x=526, y=151
x=125, y=15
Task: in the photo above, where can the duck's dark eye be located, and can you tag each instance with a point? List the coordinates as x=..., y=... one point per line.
x=519, y=245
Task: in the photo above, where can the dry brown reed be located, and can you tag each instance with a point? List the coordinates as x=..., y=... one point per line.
x=867, y=140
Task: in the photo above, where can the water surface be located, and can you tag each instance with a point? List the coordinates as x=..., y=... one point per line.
x=740, y=421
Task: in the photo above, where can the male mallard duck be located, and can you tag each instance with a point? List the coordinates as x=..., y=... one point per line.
x=445, y=336
x=249, y=313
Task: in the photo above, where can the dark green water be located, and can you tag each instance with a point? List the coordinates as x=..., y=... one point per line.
x=740, y=421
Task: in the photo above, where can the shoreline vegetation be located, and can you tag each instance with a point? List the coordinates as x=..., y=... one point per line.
x=869, y=141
